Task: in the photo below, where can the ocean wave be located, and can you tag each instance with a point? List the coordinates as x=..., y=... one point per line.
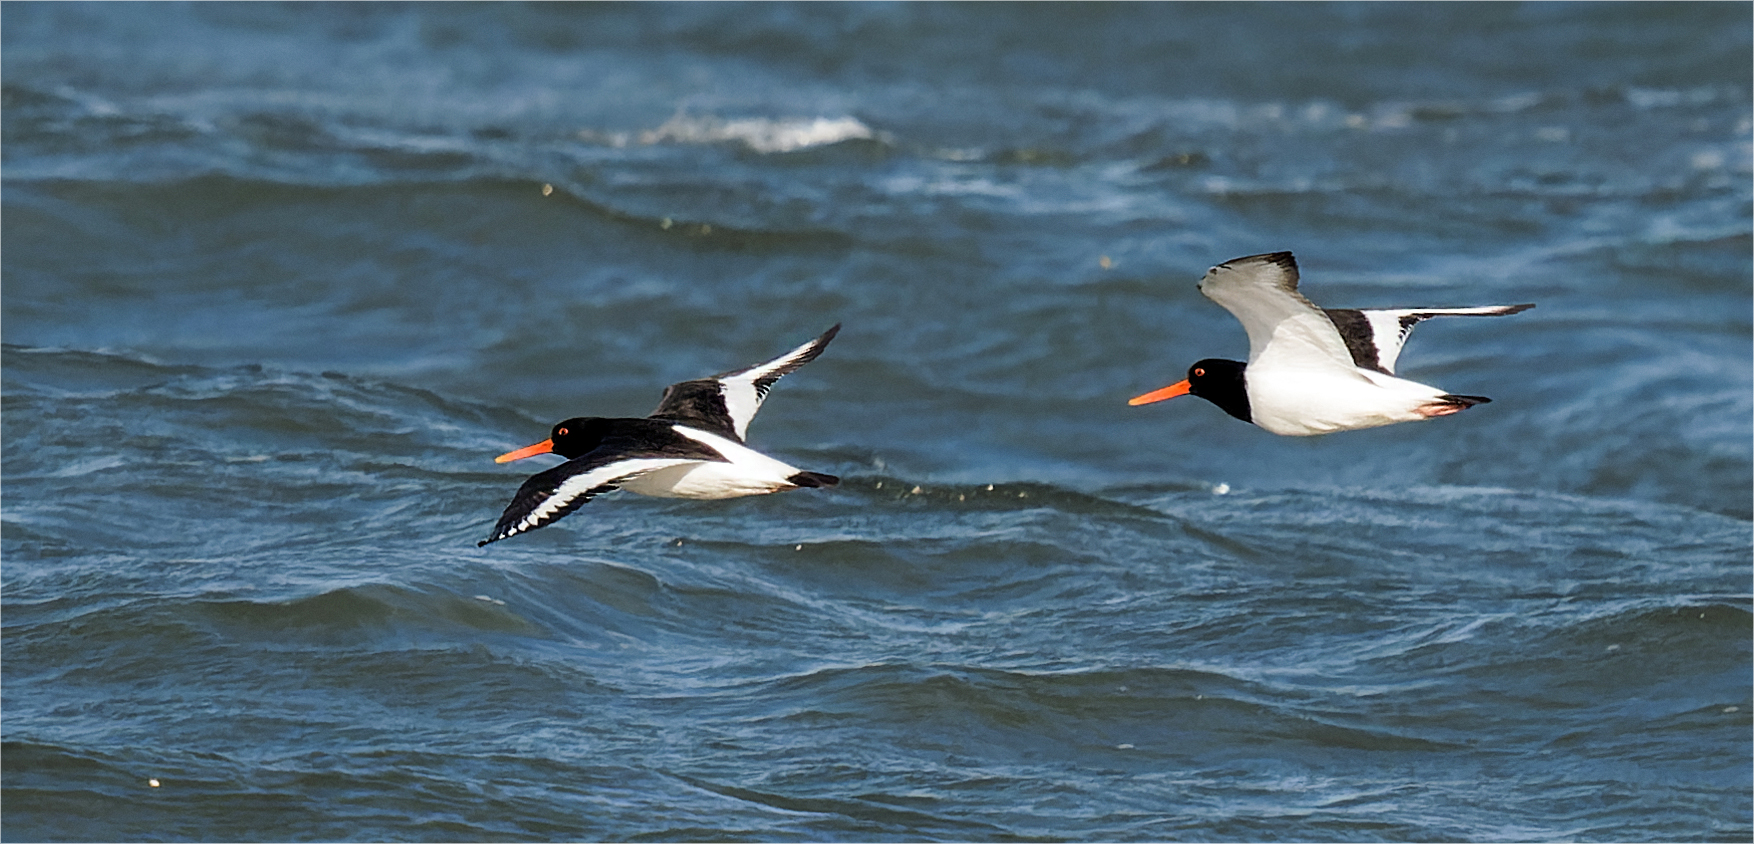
x=289, y=409
x=364, y=607
x=759, y=134
x=864, y=815
x=1145, y=713
x=282, y=280
x=527, y=197
x=1008, y=496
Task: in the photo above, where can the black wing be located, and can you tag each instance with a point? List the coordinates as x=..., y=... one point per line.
x=548, y=495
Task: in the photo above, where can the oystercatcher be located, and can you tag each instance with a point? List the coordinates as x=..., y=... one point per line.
x=690, y=447
x=1313, y=370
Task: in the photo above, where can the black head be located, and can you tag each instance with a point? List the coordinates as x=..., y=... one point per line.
x=572, y=438
x=1220, y=382
x=578, y=435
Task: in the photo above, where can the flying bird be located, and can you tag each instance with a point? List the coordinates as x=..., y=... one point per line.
x=691, y=446
x=1313, y=370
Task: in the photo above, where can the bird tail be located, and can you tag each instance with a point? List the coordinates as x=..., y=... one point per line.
x=812, y=479
x=1449, y=403
x=1463, y=402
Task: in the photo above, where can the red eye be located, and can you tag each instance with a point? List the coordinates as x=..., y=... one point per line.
x=1199, y=372
x=560, y=432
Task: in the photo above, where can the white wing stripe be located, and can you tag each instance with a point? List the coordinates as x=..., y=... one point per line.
x=584, y=482
x=1390, y=327
x=754, y=373
x=742, y=391
x=1387, y=335
x=1481, y=310
x=741, y=402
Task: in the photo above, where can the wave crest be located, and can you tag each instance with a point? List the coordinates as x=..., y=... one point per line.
x=760, y=134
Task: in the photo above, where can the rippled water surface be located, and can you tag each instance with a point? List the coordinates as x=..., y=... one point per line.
x=279, y=282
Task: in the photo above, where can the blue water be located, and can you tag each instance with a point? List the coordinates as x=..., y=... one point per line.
x=280, y=280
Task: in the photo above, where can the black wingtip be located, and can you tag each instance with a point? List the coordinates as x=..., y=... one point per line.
x=1283, y=259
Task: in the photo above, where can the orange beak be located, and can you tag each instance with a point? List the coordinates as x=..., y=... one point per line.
x=543, y=447
x=1179, y=388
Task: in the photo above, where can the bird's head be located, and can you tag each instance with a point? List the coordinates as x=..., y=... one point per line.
x=570, y=438
x=1216, y=380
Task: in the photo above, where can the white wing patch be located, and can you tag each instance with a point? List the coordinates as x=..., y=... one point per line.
x=745, y=389
x=1388, y=335
x=1391, y=327
x=741, y=403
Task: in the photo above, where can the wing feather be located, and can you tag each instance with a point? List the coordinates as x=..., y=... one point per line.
x=1375, y=336
x=1261, y=292
x=726, y=403
x=548, y=495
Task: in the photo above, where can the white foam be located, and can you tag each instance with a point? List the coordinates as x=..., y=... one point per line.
x=760, y=134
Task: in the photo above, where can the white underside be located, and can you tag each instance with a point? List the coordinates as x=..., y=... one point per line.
x=1303, y=403
x=1300, y=377
x=705, y=479
x=749, y=472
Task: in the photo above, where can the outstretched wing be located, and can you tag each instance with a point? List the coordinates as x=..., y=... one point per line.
x=551, y=494
x=1375, y=337
x=1261, y=292
x=725, y=403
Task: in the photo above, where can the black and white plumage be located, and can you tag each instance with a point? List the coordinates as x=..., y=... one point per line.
x=726, y=402
x=1313, y=370
x=691, y=446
